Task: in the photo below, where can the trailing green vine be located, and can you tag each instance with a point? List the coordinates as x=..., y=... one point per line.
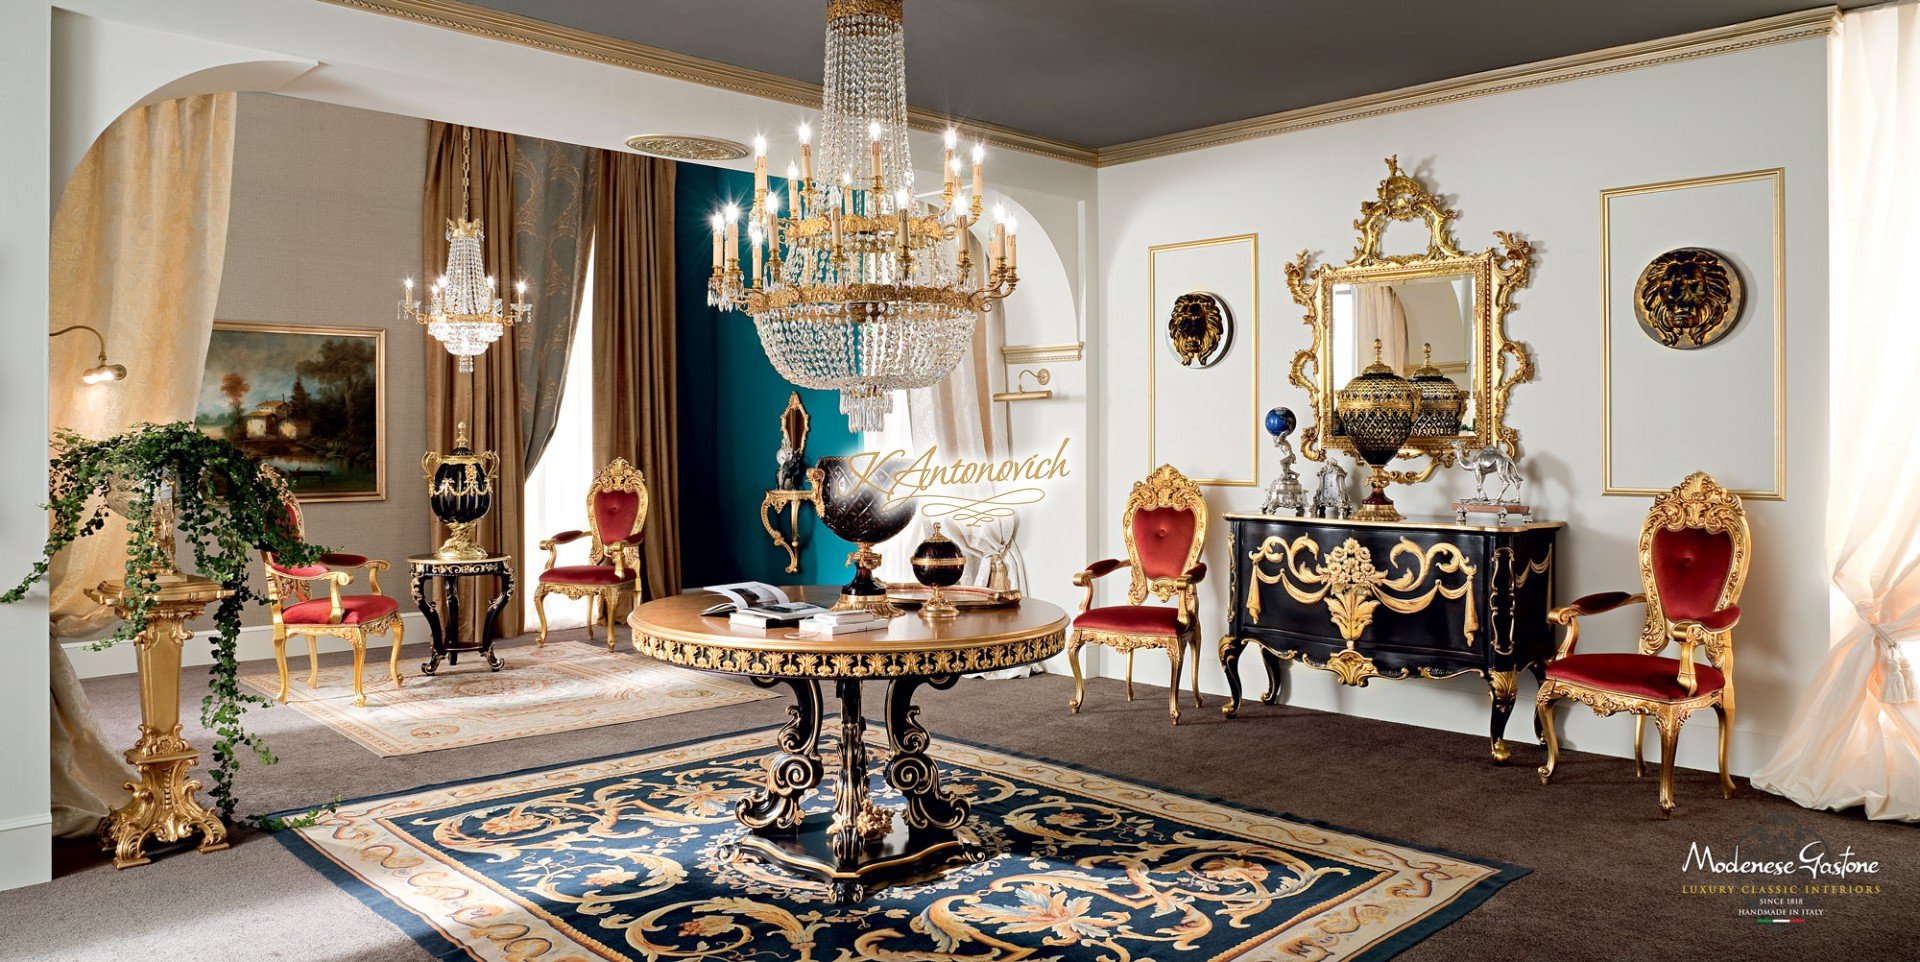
x=221, y=506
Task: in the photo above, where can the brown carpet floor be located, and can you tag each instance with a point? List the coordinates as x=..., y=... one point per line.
x=1606, y=882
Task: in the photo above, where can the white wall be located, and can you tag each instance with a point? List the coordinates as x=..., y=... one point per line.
x=1534, y=162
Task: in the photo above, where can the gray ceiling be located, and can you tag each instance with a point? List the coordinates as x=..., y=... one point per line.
x=1103, y=72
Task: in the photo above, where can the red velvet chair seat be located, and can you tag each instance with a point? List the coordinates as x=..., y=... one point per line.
x=356, y=608
x=1645, y=676
x=584, y=575
x=1131, y=620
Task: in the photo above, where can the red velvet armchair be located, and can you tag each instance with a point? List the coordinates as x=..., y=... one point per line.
x=616, y=524
x=1165, y=523
x=353, y=617
x=1694, y=548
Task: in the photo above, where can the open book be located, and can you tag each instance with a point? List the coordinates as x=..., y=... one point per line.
x=757, y=605
x=744, y=595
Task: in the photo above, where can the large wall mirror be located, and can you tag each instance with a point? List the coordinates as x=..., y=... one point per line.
x=1438, y=310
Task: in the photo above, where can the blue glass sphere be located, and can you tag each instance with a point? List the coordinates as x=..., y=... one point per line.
x=1281, y=422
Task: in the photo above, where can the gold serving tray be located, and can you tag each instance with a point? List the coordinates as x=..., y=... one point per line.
x=962, y=597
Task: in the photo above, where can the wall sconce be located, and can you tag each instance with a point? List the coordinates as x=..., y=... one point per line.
x=1042, y=377
x=99, y=373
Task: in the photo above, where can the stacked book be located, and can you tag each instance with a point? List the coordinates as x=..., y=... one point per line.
x=827, y=624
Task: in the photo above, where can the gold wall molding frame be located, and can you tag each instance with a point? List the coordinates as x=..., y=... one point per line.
x=1155, y=330
x=512, y=28
x=1016, y=354
x=1778, y=178
x=528, y=32
x=1816, y=22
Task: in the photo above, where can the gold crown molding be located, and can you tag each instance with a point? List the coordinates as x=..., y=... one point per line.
x=1043, y=353
x=1816, y=22
x=528, y=32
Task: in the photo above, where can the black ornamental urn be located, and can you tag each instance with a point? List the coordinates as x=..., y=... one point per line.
x=1377, y=409
x=939, y=564
x=855, y=501
x=460, y=492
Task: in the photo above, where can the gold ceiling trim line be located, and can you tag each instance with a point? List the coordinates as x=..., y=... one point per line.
x=1815, y=22
x=528, y=32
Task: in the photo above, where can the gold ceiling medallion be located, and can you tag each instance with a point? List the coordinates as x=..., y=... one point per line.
x=1200, y=329
x=687, y=147
x=1482, y=282
x=1353, y=588
x=1688, y=298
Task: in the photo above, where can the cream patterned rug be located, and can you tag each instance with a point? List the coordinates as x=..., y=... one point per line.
x=566, y=686
x=627, y=858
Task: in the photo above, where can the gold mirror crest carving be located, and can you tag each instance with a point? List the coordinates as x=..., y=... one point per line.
x=1497, y=362
x=1353, y=588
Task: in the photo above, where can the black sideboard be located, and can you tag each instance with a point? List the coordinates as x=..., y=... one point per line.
x=1391, y=599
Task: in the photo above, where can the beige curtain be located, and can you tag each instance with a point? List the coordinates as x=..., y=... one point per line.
x=139, y=240
x=634, y=384
x=1855, y=738
x=551, y=241
x=1378, y=314
x=487, y=400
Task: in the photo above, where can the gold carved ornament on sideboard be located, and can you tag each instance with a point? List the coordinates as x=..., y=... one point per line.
x=1352, y=588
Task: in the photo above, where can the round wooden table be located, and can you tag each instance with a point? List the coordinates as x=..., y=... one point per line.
x=864, y=845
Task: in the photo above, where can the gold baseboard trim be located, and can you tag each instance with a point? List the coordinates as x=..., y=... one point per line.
x=539, y=34
x=1043, y=353
x=526, y=31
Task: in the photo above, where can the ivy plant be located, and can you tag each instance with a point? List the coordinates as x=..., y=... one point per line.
x=222, y=506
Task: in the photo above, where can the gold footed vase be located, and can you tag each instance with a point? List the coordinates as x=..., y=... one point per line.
x=1377, y=506
x=164, y=805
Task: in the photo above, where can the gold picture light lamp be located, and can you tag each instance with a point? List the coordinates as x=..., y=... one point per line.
x=99, y=373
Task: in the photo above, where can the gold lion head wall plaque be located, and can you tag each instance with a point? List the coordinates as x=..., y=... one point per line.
x=1687, y=298
x=1200, y=330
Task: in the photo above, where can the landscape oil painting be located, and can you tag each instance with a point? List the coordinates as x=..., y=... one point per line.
x=310, y=401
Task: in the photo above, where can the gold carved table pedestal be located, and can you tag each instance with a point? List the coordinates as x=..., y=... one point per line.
x=163, y=804
x=864, y=845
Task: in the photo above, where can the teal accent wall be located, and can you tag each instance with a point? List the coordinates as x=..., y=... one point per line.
x=730, y=404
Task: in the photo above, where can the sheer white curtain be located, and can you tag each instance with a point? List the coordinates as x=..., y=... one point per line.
x=557, y=488
x=1855, y=738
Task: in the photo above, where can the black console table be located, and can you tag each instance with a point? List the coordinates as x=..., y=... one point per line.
x=1392, y=599
x=446, y=630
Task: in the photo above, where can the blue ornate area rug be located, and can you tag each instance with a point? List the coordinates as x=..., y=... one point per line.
x=618, y=858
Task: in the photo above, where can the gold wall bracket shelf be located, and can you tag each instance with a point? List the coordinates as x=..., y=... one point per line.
x=778, y=502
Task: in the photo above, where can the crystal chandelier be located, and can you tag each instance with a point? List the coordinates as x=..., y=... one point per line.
x=859, y=287
x=463, y=311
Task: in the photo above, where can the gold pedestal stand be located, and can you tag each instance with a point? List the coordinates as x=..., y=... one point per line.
x=163, y=804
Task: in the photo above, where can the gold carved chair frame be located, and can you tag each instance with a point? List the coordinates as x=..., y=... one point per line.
x=1497, y=364
x=1698, y=503
x=285, y=587
x=623, y=553
x=1166, y=487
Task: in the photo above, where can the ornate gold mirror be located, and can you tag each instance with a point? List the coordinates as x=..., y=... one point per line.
x=1440, y=311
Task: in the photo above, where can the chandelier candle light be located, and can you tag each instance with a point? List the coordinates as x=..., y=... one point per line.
x=859, y=287
x=464, y=311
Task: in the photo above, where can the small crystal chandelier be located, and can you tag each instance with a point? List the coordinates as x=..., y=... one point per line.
x=861, y=288
x=463, y=310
